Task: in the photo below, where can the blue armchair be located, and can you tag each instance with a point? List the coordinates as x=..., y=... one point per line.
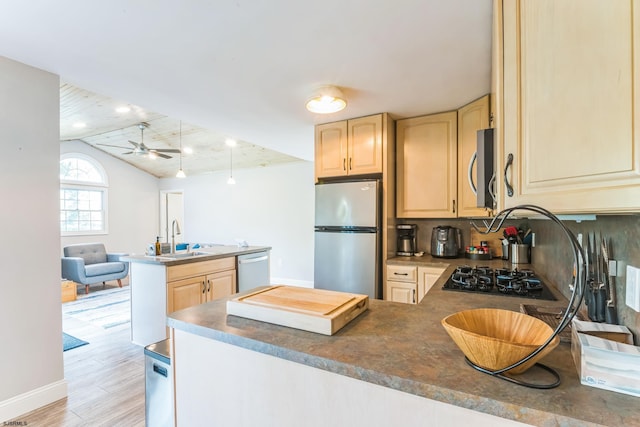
x=89, y=263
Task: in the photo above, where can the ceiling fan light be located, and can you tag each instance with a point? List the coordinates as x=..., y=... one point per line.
x=326, y=100
x=181, y=174
x=153, y=155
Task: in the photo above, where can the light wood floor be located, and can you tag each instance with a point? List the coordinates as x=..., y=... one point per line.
x=105, y=380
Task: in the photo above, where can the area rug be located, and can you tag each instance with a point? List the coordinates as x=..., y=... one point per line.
x=69, y=342
x=108, y=309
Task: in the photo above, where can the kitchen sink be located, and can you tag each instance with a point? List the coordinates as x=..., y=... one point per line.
x=181, y=255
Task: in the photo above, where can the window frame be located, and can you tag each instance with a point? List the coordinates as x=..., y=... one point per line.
x=102, y=187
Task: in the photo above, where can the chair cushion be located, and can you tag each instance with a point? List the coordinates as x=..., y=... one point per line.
x=92, y=253
x=103, y=268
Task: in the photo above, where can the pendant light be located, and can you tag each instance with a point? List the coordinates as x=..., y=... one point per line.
x=231, y=143
x=180, y=173
x=325, y=100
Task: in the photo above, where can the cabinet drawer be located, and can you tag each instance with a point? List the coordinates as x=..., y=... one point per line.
x=200, y=268
x=402, y=273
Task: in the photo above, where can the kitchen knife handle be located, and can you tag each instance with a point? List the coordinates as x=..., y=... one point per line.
x=506, y=180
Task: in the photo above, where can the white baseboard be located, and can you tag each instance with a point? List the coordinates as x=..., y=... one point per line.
x=292, y=282
x=31, y=400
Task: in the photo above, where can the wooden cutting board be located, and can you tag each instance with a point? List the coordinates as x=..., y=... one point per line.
x=315, y=310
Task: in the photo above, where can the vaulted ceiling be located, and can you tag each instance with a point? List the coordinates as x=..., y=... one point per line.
x=243, y=69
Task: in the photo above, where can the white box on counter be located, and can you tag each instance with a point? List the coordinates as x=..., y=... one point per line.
x=605, y=356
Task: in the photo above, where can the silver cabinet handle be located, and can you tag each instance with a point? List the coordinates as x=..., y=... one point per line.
x=470, y=174
x=251, y=260
x=506, y=180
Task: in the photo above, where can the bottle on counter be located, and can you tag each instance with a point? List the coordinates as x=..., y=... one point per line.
x=158, y=250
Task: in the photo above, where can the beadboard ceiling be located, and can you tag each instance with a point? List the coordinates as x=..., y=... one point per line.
x=243, y=69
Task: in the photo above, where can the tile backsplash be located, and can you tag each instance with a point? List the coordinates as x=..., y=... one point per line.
x=552, y=255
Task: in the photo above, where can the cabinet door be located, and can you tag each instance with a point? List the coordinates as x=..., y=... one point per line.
x=365, y=145
x=471, y=118
x=427, y=276
x=401, y=292
x=427, y=166
x=186, y=293
x=331, y=149
x=571, y=104
x=221, y=284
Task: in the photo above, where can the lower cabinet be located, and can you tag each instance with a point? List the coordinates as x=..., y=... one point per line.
x=197, y=283
x=409, y=284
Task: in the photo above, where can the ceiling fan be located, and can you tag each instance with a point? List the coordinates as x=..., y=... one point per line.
x=140, y=149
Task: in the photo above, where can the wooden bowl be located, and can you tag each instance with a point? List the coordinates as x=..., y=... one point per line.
x=494, y=339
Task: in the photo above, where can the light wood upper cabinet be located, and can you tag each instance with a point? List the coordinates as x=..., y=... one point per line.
x=426, y=175
x=471, y=118
x=571, y=104
x=331, y=149
x=349, y=147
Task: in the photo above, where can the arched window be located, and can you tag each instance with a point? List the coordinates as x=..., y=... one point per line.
x=83, y=196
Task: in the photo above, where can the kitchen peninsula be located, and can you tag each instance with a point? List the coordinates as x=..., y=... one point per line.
x=169, y=282
x=393, y=365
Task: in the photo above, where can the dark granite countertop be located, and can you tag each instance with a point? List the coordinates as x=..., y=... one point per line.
x=203, y=254
x=405, y=347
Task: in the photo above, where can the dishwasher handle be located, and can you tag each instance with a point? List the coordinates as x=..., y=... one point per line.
x=252, y=260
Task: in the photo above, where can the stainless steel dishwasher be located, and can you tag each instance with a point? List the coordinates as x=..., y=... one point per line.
x=253, y=271
x=158, y=385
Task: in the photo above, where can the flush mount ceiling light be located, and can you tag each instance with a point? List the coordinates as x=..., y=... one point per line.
x=325, y=100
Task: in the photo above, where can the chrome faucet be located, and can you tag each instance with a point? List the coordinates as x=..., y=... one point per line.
x=175, y=229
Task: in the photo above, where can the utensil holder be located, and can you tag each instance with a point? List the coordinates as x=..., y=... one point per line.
x=520, y=253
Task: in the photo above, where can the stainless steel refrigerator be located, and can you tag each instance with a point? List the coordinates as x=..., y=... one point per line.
x=347, y=237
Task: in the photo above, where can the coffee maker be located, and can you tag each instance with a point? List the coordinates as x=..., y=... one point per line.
x=407, y=239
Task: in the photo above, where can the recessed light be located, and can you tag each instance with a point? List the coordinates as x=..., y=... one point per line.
x=187, y=150
x=79, y=125
x=231, y=142
x=123, y=109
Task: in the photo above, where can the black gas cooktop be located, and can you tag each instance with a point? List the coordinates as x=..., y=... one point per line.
x=499, y=281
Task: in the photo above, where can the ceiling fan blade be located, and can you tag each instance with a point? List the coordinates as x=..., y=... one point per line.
x=135, y=144
x=164, y=156
x=114, y=146
x=165, y=150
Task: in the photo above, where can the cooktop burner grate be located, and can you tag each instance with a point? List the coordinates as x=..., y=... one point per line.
x=501, y=281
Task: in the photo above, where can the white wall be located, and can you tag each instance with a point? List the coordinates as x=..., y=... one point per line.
x=271, y=206
x=31, y=363
x=133, y=209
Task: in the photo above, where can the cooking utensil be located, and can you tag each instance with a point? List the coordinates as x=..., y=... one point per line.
x=589, y=295
x=599, y=288
x=611, y=314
